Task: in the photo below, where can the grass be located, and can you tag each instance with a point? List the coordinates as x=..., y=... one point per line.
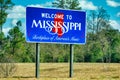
x=60, y=71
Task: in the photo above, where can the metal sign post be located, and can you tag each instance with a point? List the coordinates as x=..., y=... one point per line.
x=71, y=61
x=37, y=60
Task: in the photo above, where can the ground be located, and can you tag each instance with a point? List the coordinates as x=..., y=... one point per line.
x=60, y=71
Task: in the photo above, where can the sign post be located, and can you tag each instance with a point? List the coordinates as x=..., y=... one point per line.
x=71, y=61
x=44, y=25
x=37, y=60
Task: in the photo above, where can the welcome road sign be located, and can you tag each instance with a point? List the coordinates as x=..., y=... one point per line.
x=45, y=25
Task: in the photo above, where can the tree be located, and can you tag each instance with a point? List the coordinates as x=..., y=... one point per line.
x=67, y=4
x=28, y=55
x=4, y=6
x=104, y=44
x=114, y=43
x=18, y=48
x=16, y=40
x=2, y=37
x=98, y=23
x=98, y=20
x=59, y=4
x=15, y=36
x=73, y=4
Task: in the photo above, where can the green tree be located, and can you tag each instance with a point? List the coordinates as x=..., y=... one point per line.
x=29, y=52
x=2, y=37
x=59, y=4
x=98, y=23
x=16, y=40
x=67, y=4
x=73, y=4
x=113, y=38
x=18, y=47
x=4, y=6
x=98, y=20
x=15, y=36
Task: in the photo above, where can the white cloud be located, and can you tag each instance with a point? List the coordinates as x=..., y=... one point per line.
x=47, y=4
x=17, y=12
x=14, y=21
x=118, y=14
x=37, y=5
x=5, y=30
x=113, y=3
x=115, y=24
x=87, y=5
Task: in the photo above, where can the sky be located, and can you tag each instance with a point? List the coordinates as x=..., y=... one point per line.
x=18, y=12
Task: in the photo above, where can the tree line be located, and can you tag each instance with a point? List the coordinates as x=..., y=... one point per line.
x=102, y=41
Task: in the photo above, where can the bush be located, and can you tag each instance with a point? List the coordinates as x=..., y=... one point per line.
x=7, y=67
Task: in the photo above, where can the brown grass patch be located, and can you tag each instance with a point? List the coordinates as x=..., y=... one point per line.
x=60, y=71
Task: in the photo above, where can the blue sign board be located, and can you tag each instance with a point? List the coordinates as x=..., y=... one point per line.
x=45, y=25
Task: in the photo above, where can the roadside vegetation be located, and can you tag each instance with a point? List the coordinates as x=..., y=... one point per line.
x=102, y=46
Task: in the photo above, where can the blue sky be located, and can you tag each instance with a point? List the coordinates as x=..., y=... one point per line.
x=18, y=12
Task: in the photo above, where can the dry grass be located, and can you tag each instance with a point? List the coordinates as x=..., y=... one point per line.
x=60, y=71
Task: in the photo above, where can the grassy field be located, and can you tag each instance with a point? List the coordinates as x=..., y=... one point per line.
x=60, y=71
